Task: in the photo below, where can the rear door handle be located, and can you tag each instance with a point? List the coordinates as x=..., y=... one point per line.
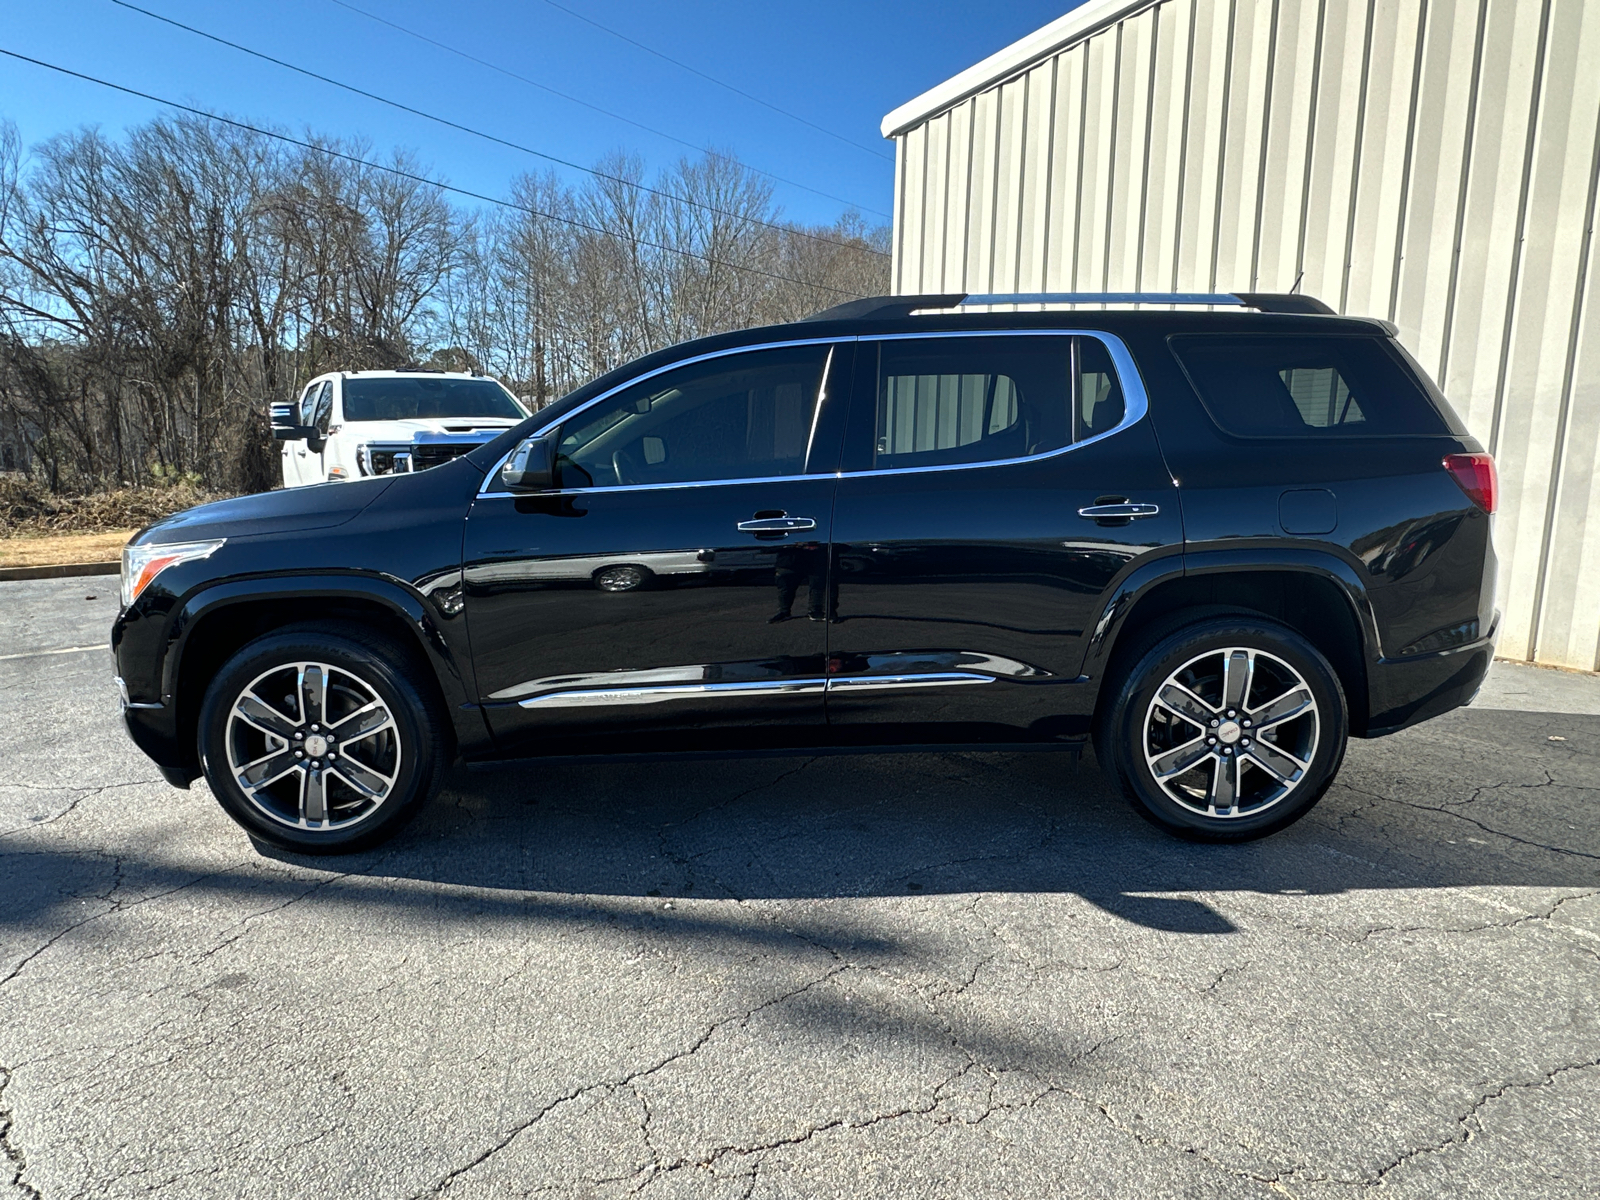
x=1124, y=511
x=776, y=525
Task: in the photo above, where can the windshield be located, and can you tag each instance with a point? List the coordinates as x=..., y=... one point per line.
x=403, y=399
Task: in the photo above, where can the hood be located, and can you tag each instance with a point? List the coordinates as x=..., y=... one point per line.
x=450, y=427
x=320, y=506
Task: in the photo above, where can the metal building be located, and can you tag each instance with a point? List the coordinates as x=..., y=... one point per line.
x=1433, y=162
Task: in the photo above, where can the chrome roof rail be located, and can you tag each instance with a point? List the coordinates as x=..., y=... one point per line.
x=890, y=307
x=1225, y=298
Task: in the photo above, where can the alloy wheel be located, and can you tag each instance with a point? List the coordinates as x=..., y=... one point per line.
x=313, y=746
x=1231, y=733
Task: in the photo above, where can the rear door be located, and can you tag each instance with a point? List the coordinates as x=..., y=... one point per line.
x=996, y=488
x=675, y=589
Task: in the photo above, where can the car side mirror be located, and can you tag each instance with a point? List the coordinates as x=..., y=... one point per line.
x=294, y=433
x=532, y=466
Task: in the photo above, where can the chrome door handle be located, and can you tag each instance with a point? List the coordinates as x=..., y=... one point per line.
x=1124, y=511
x=776, y=525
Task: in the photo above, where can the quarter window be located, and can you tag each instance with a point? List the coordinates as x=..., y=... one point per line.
x=744, y=416
x=1288, y=386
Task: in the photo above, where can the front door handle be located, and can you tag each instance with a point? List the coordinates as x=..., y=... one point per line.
x=776, y=525
x=1121, y=511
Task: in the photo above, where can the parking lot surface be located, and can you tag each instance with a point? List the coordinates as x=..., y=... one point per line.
x=919, y=975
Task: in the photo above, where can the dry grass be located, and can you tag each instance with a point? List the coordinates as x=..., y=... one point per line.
x=63, y=548
x=27, y=510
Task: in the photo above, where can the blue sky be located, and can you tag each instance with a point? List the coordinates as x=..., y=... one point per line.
x=837, y=63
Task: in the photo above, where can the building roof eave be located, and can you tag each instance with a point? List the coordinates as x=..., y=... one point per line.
x=1074, y=26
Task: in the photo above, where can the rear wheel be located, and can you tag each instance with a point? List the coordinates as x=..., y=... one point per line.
x=316, y=741
x=1226, y=730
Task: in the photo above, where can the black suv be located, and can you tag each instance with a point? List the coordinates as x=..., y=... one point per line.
x=1216, y=542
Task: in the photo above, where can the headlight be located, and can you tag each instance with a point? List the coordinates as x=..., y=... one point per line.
x=141, y=564
x=383, y=460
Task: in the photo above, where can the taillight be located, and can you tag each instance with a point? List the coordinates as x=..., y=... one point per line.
x=1474, y=473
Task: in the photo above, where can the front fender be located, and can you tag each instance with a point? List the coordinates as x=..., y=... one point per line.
x=450, y=662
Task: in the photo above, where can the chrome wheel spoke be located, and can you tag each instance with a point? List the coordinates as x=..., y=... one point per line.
x=1281, y=765
x=253, y=710
x=1178, y=699
x=362, y=723
x=266, y=769
x=1224, y=786
x=363, y=779
x=313, y=796
x=1237, y=671
x=1184, y=758
x=313, y=693
x=1291, y=704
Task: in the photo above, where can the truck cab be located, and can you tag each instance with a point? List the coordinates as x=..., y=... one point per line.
x=355, y=424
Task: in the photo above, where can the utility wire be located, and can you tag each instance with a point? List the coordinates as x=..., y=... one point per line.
x=415, y=178
x=713, y=79
x=489, y=137
x=615, y=116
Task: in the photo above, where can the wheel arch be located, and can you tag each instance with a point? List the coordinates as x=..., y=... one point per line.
x=216, y=623
x=1317, y=595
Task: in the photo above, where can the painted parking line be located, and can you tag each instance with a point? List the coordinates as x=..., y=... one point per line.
x=44, y=653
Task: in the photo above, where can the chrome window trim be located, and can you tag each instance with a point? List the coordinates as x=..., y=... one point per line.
x=1136, y=405
x=599, y=697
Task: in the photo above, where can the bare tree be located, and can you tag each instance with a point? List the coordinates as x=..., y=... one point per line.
x=158, y=292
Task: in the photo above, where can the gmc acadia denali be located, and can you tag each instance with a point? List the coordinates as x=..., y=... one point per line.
x=1217, y=537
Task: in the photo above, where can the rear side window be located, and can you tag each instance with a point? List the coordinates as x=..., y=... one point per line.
x=943, y=401
x=1275, y=386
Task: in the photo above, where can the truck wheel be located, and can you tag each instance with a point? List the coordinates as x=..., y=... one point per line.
x=315, y=740
x=1227, y=730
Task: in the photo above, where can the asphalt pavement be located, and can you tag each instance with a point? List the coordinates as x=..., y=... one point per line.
x=934, y=975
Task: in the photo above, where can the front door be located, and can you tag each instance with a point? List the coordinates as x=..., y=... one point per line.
x=673, y=592
x=295, y=455
x=995, y=488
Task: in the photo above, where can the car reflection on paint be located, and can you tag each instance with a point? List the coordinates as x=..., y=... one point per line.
x=608, y=573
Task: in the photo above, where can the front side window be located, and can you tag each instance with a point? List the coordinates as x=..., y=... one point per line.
x=308, y=402
x=1297, y=386
x=945, y=401
x=323, y=413
x=742, y=416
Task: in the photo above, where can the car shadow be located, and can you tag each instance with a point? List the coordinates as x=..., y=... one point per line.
x=1474, y=798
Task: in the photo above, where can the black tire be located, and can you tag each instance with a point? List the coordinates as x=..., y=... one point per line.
x=359, y=672
x=1139, y=734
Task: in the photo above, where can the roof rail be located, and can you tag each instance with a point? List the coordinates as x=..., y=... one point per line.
x=888, y=307
x=1102, y=298
x=885, y=306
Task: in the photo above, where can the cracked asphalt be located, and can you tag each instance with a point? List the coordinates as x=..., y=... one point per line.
x=923, y=976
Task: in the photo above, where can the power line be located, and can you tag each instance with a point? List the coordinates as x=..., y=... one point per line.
x=720, y=83
x=489, y=137
x=422, y=179
x=544, y=87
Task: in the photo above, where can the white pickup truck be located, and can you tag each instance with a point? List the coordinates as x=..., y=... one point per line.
x=349, y=424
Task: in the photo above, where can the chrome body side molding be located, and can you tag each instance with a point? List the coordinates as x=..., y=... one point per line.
x=599, y=697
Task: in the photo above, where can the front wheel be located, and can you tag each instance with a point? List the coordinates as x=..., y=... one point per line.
x=316, y=740
x=1226, y=730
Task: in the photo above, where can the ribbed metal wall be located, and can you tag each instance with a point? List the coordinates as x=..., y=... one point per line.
x=1430, y=161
